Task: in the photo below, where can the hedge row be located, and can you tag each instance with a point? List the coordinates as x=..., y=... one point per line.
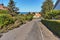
x=53, y=25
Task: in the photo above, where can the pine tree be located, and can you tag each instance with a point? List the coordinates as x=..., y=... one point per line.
x=12, y=8
x=47, y=6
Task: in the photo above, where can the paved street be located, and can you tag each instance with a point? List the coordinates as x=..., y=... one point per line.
x=33, y=30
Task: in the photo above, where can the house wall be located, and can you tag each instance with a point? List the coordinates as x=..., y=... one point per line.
x=2, y=7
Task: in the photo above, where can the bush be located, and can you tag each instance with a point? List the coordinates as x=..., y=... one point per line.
x=24, y=18
x=58, y=17
x=52, y=14
x=21, y=18
x=29, y=17
x=53, y=25
x=4, y=12
x=5, y=19
x=7, y=22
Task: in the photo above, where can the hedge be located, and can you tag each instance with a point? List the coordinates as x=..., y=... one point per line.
x=53, y=25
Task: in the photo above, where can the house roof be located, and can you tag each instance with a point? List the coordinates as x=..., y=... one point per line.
x=2, y=7
x=56, y=3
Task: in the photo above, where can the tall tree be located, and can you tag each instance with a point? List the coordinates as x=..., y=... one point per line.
x=12, y=8
x=47, y=6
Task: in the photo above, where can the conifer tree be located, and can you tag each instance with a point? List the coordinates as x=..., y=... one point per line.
x=12, y=8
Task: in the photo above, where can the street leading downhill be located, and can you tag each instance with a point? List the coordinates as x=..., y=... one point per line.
x=33, y=30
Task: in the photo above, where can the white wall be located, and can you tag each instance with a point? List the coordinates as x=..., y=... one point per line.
x=58, y=6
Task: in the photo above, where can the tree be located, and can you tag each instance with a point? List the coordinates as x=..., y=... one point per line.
x=47, y=7
x=12, y=8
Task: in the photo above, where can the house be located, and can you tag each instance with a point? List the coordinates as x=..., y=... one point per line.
x=37, y=15
x=2, y=7
x=57, y=5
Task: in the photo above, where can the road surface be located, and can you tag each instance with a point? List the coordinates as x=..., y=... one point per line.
x=33, y=30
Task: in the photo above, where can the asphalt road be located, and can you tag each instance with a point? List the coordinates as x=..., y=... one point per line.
x=29, y=31
x=25, y=32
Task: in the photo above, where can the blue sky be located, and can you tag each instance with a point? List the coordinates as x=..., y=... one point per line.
x=27, y=5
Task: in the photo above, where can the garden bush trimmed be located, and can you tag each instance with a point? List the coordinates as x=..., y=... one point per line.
x=53, y=25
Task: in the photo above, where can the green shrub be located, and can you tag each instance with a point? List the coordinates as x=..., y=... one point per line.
x=7, y=22
x=29, y=17
x=21, y=18
x=57, y=17
x=52, y=14
x=24, y=18
x=4, y=12
x=5, y=19
x=53, y=25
